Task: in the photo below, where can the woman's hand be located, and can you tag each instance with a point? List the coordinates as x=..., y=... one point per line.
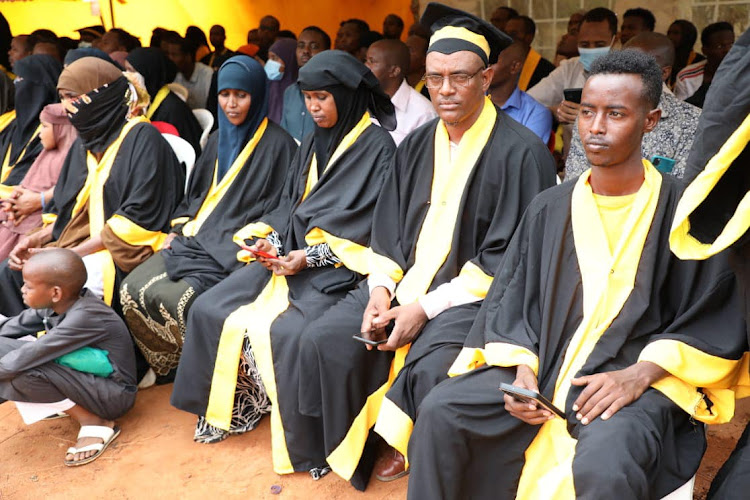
x=168, y=242
x=289, y=265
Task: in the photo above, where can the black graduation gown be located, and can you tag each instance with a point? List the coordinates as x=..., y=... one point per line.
x=711, y=208
x=144, y=187
x=341, y=204
x=23, y=164
x=208, y=257
x=465, y=445
x=511, y=169
x=175, y=111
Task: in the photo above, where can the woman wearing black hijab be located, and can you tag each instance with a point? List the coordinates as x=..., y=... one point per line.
x=315, y=241
x=166, y=106
x=237, y=179
x=19, y=136
x=117, y=190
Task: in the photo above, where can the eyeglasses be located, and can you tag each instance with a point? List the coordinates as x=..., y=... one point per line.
x=455, y=80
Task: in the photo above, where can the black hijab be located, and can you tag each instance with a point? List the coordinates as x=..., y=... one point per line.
x=36, y=87
x=355, y=90
x=156, y=68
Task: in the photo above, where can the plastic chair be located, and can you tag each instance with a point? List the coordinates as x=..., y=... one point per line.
x=206, y=120
x=184, y=152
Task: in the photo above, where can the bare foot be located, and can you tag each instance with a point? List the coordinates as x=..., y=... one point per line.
x=85, y=441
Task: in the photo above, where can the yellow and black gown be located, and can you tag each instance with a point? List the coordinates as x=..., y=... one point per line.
x=19, y=129
x=329, y=204
x=575, y=296
x=156, y=297
x=436, y=220
x=127, y=197
x=714, y=212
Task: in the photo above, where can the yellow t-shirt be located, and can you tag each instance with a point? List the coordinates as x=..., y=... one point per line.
x=614, y=211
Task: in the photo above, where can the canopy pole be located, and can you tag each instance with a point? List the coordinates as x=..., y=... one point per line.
x=112, y=12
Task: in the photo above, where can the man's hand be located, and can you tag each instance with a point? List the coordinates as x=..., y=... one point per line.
x=289, y=265
x=526, y=412
x=379, y=304
x=567, y=112
x=168, y=242
x=606, y=393
x=409, y=321
x=22, y=251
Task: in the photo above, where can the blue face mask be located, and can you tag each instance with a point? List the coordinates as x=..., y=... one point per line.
x=272, y=70
x=588, y=56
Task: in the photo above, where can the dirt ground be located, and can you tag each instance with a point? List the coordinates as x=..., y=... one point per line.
x=155, y=457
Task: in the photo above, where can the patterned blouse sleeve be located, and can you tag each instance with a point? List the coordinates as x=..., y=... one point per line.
x=321, y=256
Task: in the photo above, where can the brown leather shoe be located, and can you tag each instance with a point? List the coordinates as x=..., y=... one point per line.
x=390, y=466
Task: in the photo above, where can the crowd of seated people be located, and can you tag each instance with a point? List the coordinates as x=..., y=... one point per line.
x=382, y=228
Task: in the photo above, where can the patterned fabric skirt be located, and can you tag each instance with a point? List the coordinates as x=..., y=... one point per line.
x=155, y=309
x=250, y=402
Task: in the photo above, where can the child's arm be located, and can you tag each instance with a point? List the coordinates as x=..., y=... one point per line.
x=27, y=323
x=75, y=331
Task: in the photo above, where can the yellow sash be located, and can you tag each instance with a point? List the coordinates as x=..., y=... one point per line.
x=158, y=99
x=529, y=66
x=419, y=86
x=218, y=189
x=7, y=168
x=93, y=193
x=608, y=278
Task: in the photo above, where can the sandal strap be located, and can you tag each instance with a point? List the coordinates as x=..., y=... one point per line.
x=96, y=431
x=91, y=447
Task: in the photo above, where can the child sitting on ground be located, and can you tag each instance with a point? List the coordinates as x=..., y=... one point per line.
x=83, y=352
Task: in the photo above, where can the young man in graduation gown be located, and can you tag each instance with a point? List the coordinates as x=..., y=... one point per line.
x=591, y=310
x=117, y=190
x=457, y=192
x=713, y=212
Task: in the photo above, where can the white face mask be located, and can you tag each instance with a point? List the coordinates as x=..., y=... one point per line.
x=84, y=45
x=273, y=70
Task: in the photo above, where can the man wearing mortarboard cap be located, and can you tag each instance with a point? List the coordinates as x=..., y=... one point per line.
x=89, y=35
x=457, y=190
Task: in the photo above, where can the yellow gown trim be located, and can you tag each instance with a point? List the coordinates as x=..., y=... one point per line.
x=608, y=278
x=529, y=66
x=684, y=245
x=158, y=99
x=219, y=188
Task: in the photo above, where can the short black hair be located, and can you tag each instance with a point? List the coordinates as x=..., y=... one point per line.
x=186, y=45
x=689, y=32
x=369, y=38
x=197, y=35
x=286, y=34
x=419, y=30
x=127, y=40
x=398, y=19
x=632, y=62
x=646, y=15
x=714, y=28
x=361, y=25
x=513, y=12
x=600, y=14
x=323, y=34
x=44, y=35
x=529, y=25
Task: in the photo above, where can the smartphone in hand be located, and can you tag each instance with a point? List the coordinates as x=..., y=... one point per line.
x=573, y=95
x=527, y=396
x=368, y=341
x=257, y=253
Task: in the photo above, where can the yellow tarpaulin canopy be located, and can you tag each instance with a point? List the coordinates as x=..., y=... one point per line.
x=140, y=17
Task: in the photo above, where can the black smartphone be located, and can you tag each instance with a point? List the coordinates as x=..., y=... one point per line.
x=368, y=341
x=527, y=396
x=573, y=95
x=663, y=164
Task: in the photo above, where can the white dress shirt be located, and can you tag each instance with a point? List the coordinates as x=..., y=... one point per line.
x=198, y=85
x=412, y=110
